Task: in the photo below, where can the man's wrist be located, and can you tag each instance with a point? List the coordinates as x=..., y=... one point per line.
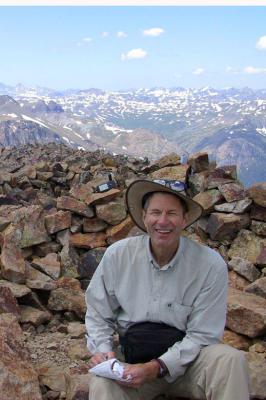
x=163, y=370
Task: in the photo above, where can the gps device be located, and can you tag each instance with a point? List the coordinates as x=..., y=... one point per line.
x=104, y=187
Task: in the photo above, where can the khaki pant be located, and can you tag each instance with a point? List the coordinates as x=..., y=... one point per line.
x=219, y=373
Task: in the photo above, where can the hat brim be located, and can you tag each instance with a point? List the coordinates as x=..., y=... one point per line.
x=139, y=188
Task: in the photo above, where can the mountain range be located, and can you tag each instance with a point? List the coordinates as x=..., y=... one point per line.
x=230, y=124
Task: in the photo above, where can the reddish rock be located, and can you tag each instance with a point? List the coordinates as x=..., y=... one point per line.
x=46, y=201
x=4, y=222
x=246, y=313
x=216, y=177
x=48, y=264
x=28, y=171
x=44, y=176
x=261, y=259
x=78, y=350
x=68, y=300
x=168, y=160
x=104, y=197
x=88, y=240
x=226, y=226
x=237, y=341
x=53, y=377
x=16, y=289
x=258, y=287
x=258, y=193
x=232, y=191
x=199, y=162
x=236, y=207
x=8, y=303
x=76, y=206
x=77, y=383
x=37, y=280
x=69, y=261
x=5, y=176
x=82, y=191
x=92, y=225
x=43, y=249
x=247, y=245
x=34, y=316
x=76, y=224
x=258, y=212
x=58, y=221
x=179, y=173
x=89, y=263
x=219, y=176
x=119, y=231
x=76, y=330
x=11, y=261
x=197, y=183
x=67, y=282
x=113, y=213
x=208, y=199
x=258, y=227
x=245, y=268
x=237, y=281
x=29, y=228
x=18, y=379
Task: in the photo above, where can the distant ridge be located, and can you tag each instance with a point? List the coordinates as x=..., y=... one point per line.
x=229, y=123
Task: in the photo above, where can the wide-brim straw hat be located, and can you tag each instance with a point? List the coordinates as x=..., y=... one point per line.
x=139, y=188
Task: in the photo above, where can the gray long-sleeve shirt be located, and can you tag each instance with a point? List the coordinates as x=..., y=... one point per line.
x=188, y=293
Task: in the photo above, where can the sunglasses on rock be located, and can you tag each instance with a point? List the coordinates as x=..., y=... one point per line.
x=178, y=186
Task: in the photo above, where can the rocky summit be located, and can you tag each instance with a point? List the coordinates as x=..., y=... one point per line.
x=54, y=228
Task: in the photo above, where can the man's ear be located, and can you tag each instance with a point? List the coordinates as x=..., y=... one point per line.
x=184, y=224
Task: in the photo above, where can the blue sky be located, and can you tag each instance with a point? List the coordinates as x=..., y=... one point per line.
x=114, y=48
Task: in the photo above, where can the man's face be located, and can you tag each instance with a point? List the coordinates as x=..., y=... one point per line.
x=164, y=220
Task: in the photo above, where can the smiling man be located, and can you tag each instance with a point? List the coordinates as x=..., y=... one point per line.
x=166, y=296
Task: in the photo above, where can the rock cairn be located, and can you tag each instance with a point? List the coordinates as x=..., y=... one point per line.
x=54, y=229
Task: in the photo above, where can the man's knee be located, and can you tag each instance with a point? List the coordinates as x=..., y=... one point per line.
x=99, y=385
x=227, y=355
x=108, y=389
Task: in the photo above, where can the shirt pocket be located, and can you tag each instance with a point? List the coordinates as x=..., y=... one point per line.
x=177, y=314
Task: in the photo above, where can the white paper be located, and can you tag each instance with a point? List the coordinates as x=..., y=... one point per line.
x=112, y=369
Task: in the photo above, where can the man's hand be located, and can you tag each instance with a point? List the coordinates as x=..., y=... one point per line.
x=140, y=373
x=97, y=358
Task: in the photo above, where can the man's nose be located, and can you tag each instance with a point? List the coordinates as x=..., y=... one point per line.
x=163, y=218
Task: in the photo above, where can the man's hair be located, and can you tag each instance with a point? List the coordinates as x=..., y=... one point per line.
x=147, y=197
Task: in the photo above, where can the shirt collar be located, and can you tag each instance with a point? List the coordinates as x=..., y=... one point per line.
x=172, y=262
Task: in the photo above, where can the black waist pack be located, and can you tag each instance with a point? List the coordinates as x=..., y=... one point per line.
x=145, y=341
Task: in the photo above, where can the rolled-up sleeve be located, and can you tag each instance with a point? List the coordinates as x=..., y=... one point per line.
x=205, y=324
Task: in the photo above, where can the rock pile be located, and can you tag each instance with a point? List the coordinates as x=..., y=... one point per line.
x=54, y=229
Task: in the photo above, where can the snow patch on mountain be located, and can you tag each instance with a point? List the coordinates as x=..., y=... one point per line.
x=261, y=131
x=27, y=118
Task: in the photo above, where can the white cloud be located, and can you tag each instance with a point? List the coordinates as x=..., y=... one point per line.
x=254, y=70
x=198, y=71
x=153, y=32
x=229, y=69
x=134, y=54
x=104, y=34
x=232, y=70
x=121, y=34
x=87, y=39
x=261, y=43
x=84, y=41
